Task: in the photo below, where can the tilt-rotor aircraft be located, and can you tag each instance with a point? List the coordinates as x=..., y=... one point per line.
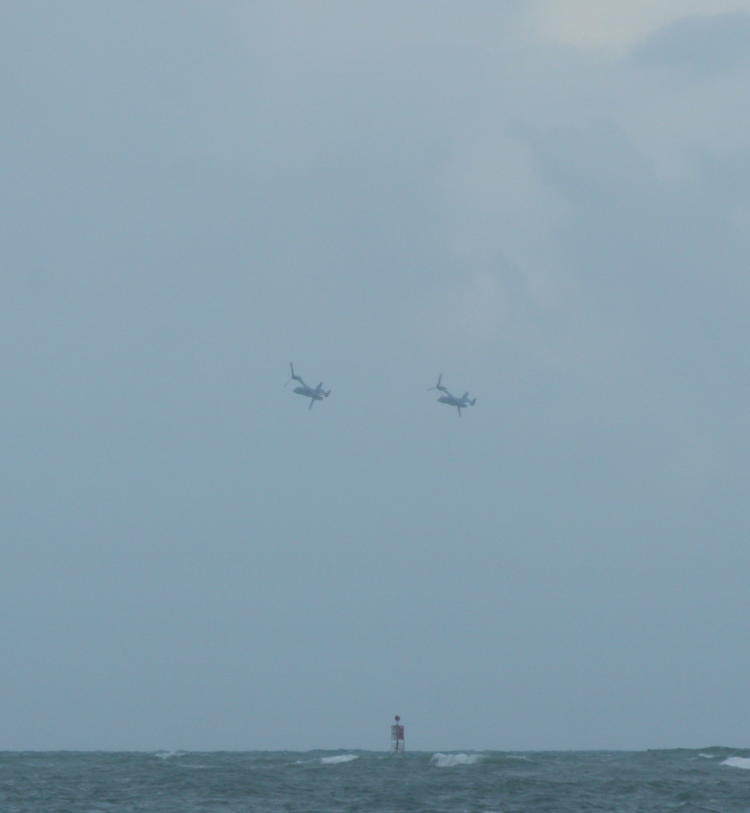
x=313, y=393
x=453, y=400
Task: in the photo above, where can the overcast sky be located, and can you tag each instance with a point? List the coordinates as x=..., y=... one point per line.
x=546, y=202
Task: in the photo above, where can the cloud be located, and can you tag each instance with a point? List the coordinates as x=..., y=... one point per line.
x=700, y=45
x=616, y=26
x=580, y=188
x=548, y=208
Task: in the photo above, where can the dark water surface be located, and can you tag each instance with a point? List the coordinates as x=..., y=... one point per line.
x=711, y=779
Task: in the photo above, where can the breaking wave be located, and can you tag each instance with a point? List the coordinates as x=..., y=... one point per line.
x=738, y=762
x=452, y=760
x=338, y=759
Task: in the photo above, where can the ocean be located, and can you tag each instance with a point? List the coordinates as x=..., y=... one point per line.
x=711, y=779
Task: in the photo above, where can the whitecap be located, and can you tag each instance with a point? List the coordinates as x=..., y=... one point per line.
x=168, y=754
x=738, y=762
x=452, y=760
x=338, y=759
x=706, y=756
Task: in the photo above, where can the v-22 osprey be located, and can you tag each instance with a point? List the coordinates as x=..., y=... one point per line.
x=313, y=393
x=447, y=397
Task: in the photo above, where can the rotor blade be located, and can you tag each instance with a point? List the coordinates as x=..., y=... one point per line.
x=312, y=401
x=294, y=376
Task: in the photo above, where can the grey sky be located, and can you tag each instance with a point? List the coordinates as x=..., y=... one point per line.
x=550, y=209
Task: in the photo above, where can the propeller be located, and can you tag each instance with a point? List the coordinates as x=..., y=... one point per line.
x=293, y=376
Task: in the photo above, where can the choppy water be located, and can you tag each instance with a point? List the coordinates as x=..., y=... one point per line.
x=713, y=779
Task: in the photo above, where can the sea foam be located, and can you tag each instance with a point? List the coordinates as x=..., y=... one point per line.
x=338, y=759
x=738, y=762
x=452, y=760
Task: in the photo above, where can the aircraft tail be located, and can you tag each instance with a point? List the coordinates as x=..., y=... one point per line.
x=465, y=396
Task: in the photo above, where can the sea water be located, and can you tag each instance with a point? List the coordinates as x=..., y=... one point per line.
x=710, y=779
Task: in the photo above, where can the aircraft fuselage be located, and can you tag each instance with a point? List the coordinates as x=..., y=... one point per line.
x=308, y=392
x=456, y=402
